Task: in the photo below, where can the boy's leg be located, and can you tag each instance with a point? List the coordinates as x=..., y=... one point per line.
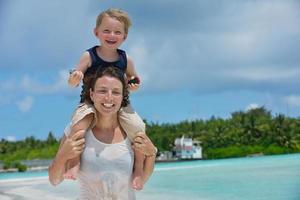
x=132, y=124
x=73, y=164
x=138, y=168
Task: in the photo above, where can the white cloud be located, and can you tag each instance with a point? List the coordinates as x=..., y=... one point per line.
x=252, y=106
x=25, y=104
x=263, y=73
x=11, y=138
x=26, y=84
x=292, y=100
x=229, y=45
x=138, y=52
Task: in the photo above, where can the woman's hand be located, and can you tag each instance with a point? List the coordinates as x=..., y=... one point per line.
x=143, y=144
x=73, y=146
x=69, y=148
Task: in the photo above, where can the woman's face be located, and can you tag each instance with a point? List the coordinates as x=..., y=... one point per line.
x=107, y=95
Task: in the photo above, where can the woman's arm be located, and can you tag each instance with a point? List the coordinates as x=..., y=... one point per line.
x=143, y=144
x=69, y=148
x=148, y=167
x=57, y=167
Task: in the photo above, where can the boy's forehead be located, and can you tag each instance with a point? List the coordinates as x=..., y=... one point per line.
x=109, y=19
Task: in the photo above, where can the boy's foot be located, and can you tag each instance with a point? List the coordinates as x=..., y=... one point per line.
x=72, y=173
x=137, y=180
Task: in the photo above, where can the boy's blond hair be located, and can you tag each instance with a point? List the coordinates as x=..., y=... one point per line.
x=118, y=14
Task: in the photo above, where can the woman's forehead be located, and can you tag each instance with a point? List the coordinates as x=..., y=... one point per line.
x=108, y=81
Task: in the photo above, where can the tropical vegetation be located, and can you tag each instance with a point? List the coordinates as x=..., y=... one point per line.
x=255, y=131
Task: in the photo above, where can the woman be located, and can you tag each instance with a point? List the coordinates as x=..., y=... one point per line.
x=107, y=156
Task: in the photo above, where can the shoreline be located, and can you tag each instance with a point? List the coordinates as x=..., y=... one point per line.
x=254, y=155
x=31, y=169
x=28, y=179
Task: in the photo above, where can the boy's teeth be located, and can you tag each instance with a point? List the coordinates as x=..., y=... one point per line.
x=110, y=41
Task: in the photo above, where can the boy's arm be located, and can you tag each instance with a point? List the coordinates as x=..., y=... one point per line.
x=77, y=75
x=130, y=71
x=131, y=74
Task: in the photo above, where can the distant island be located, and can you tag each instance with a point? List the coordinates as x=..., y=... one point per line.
x=246, y=133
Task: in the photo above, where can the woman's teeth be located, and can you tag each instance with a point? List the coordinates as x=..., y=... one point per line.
x=108, y=105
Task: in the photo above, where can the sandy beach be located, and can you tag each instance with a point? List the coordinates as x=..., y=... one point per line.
x=40, y=188
x=36, y=189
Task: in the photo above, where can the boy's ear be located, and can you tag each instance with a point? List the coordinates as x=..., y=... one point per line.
x=95, y=32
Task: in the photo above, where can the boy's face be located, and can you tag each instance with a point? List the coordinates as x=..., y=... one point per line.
x=111, y=33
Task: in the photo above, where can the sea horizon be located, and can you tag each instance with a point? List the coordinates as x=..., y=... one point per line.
x=275, y=177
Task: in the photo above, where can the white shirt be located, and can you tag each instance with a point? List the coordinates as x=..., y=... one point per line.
x=105, y=170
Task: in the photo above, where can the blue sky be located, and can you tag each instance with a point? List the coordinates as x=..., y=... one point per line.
x=197, y=59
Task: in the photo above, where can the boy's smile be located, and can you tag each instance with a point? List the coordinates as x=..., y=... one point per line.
x=111, y=32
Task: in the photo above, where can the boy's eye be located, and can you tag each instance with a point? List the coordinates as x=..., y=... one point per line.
x=106, y=31
x=118, y=32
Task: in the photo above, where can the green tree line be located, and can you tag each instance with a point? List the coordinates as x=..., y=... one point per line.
x=11, y=153
x=243, y=133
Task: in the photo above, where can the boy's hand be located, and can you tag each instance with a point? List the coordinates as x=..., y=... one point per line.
x=133, y=84
x=75, y=78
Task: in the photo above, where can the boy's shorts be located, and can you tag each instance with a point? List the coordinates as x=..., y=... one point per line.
x=130, y=121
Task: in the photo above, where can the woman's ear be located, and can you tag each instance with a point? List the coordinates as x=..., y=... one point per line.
x=92, y=95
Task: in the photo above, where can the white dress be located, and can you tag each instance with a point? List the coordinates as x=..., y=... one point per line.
x=105, y=170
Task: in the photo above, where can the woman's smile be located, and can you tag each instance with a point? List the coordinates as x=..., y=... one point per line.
x=108, y=106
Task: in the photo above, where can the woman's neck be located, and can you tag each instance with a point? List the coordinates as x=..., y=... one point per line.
x=108, y=130
x=107, y=123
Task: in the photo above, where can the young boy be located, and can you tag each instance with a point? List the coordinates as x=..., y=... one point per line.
x=111, y=30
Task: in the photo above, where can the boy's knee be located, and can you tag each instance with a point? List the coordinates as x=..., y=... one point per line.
x=84, y=123
x=140, y=133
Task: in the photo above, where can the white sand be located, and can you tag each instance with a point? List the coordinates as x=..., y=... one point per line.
x=41, y=189
x=37, y=189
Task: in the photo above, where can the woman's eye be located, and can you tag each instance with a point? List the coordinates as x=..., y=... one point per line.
x=101, y=91
x=116, y=93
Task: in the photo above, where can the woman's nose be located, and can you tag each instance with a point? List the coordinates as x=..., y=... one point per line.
x=108, y=95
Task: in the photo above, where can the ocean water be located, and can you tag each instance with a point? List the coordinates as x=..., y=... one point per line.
x=255, y=178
